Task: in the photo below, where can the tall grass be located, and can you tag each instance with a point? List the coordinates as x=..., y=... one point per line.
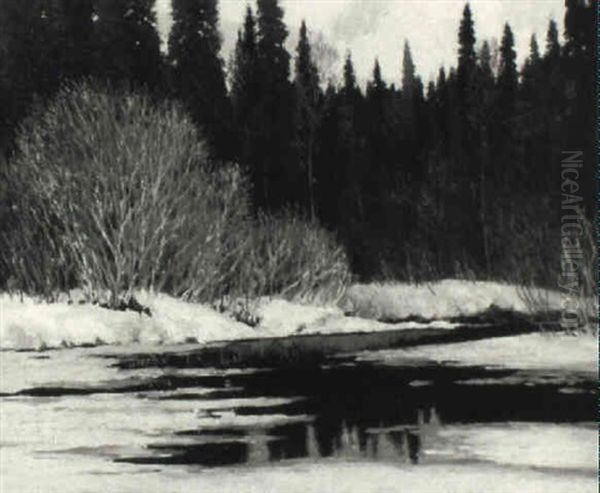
x=113, y=192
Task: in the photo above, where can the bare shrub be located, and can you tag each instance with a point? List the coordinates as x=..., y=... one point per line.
x=537, y=258
x=114, y=193
x=131, y=186
x=294, y=258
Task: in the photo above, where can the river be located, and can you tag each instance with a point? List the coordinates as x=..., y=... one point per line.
x=79, y=420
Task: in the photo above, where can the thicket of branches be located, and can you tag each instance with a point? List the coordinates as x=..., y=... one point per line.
x=112, y=192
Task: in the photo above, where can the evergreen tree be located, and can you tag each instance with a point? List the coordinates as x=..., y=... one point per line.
x=408, y=72
x=466, y=93
x=245, y=91
x=579, y=27
x=328, y=169
x=378, y=142
x=126, y=42
x=72, y=26
x=25, y=63
x=349, y=87
x=466, y=51
x=531, y=73
x=306, y=114
x=552, y=43
x=485, y=62
x=197, y=73
x=579, y=78
x=534, y=51
x=507, y=73
x=275, y=106
x=409, y=100
x=350, y=161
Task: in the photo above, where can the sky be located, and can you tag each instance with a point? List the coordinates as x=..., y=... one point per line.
x=379, y=28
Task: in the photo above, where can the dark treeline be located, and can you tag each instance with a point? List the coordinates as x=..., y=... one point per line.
x=460, y=176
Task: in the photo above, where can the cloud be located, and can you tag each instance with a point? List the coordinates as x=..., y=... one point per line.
x=359, y=18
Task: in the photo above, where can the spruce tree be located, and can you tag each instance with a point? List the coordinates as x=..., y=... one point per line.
x=579, y=27
x=126, y=43
x=306, y=115
x=534, y=51
x=350, y=152
x=466, y=51
x=408, y=71
x=26, y=63
x=275, y=106
x=72, y=27
x=507, y=73
x=466, y=91
x=245, y=91
x=578, y=67
x=196, y=67
x=378, y=142
x=349, y=88
x=552, y=43
x=531, y=73
x=410, y=96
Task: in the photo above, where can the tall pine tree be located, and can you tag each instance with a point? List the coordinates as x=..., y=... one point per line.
x=275, y=106
x=26, y=63
x=245, y=92
x=507, y=73
x=196, y=67
x=72, y=26
x=306, y=116
x=126, y=43
x=466, y=54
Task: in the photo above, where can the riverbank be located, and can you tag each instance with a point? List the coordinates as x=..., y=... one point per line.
x=27, y=324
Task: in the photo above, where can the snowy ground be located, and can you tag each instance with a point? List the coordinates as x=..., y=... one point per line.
x=66, y=444
x=26, y=324
x=530, y=351
x=30, y=325
x=443, y=299
x=336, y=477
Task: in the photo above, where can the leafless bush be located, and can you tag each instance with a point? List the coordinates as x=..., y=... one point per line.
x=118, y=193
x=537, y=258
x=293, y=258
x=129, y=184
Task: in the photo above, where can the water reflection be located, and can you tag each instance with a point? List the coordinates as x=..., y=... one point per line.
x=364, y=411
x=316, y=440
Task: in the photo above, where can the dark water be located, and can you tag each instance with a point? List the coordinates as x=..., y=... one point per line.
x=340, y=408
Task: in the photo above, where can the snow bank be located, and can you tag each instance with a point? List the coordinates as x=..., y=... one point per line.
x=443, y=299
x=542, y=445
x=30, y=325
x=282, y=318
x=27, y=324
x=528, y=352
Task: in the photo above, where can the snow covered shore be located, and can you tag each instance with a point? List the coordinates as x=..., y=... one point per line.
x=525, y=352
x=27, y=324
x=439, y=300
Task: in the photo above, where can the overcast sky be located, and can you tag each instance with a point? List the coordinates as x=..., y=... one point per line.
x=378, y=28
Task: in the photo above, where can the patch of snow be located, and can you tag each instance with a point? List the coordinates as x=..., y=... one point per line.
x=541, y=445
x=438, y=300
x=281, y=318
x=28, y=324
x=335, y=476
x=537, y=351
